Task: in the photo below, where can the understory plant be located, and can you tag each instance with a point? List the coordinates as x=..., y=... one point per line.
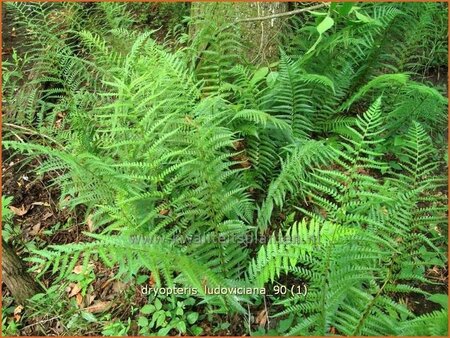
x=324, y=169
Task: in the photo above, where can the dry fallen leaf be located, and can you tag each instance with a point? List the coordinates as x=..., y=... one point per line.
x=78, y=269
x=19, y=211
x=238, y=145
x=47, y=215
x=17, y=312
x=90, y=299
x=246, y=164
x=90, y=223
x=79, y=298
x=35, y=230
x=106, y=283
x=75, y=290
x=151, y=280
x=261, y=318
x=164, y=212
x=119, y=286
x=98, y=307
x=59, y=328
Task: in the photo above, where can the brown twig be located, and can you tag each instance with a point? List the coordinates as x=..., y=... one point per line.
x=32, y=132
x=278, y=15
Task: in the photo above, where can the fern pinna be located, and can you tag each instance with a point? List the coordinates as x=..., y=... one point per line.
x=322, y=169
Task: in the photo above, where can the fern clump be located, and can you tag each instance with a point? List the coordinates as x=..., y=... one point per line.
x=197, y=168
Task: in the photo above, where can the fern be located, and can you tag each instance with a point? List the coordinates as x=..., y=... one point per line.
x=333, y=153
x=301, y=159
x=351, y=188
x=346, y=285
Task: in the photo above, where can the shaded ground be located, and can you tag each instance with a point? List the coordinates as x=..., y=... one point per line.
x=38, y=219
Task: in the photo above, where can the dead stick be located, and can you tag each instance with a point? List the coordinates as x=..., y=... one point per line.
x=279, y=15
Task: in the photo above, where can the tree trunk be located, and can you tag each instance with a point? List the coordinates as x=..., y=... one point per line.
x=18, y=281
x=259, y=37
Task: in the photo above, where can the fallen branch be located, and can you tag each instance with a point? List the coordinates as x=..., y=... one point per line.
x=279, y=15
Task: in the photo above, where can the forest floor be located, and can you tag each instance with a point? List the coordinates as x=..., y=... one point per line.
x=39, y=221
x=37, y=215
x=35, y=205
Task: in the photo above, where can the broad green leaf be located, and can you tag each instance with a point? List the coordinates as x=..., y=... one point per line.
x=164, y=331
x=271, y=78
x=181, y=326
x=142, y=322
x=441, y=299
x=192, y=317
x=259, y=75
x=89, y=317
x=345, y=8
x=196, y=330
x=141, y=279
x=325, y=25
x=147, y=309
x=322, y=27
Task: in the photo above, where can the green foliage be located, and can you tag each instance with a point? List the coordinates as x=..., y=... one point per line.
x=7, y=229
x=432, y=324
x=348, y=288
x=116, y=328
x=166, y=315
x=179, y=157
x=213, y=52
x=10, y=326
